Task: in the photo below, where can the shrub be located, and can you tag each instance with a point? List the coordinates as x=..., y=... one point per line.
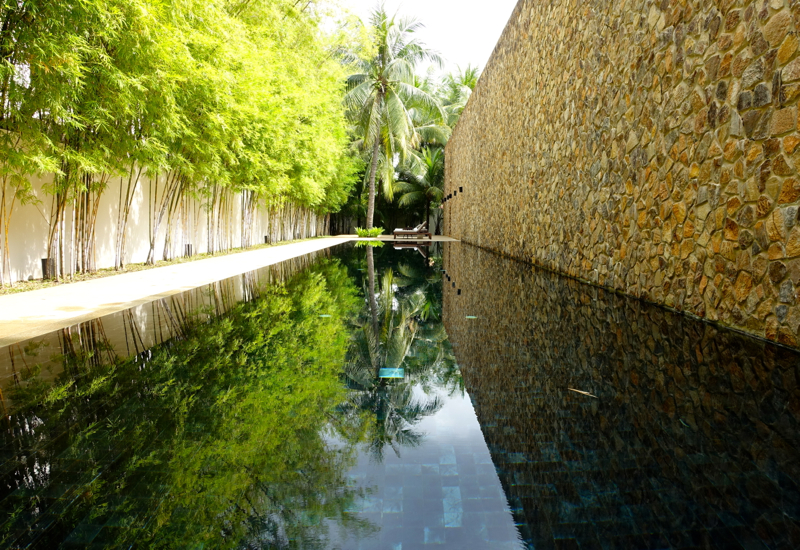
x=372, y=233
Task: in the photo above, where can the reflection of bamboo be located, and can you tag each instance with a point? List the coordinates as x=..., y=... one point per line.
x=129, y=325
x=13, y=366
x=249, y=286
x=176, y=328
x=91, y=343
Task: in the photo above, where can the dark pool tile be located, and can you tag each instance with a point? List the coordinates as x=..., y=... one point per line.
x=392, y=506
x=83, y=534
x=434, y=517
x=450, y=470
x=566, y=544
x=432, y=490
x=408, y=537
x=467, y=469
x=110, y=536
x=451, y=481
x=434, y=535
x=391, y=521
x=57, y=489
x=395, y=480
x=492, y=491
x=390, y=492
x=372, y=543
x=472, y=491
x=627, y=542
x=415, y=492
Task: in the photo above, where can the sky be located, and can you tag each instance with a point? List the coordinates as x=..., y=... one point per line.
x=463, y=31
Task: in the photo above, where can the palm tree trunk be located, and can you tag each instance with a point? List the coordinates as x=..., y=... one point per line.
x=376, y=147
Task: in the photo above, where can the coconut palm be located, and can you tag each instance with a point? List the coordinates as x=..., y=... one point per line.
x=382, y=93
x=422, y=181
x=456, y=90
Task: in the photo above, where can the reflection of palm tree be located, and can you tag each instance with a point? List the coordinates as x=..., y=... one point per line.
x=384, y=339
x=432, y=363
x=423, y=281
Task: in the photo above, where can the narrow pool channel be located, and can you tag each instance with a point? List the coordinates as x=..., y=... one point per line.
x=399, y=397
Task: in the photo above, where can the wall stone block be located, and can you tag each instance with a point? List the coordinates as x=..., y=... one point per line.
x=646, y=146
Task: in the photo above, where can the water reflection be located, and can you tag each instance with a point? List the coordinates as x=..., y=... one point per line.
x=313, y=404
x=437, y=486
x=691, y=441
x=385, y=338
x=217, y=437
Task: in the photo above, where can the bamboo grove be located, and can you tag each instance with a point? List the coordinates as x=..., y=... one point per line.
x=196, y=104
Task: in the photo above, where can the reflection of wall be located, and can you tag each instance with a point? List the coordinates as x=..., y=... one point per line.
x=29, y=228
x=694, y=437
x=136, y=330
x=647, y=146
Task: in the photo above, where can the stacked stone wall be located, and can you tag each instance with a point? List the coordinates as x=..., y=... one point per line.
x=647, y=146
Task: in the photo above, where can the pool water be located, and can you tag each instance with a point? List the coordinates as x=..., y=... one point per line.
x=361, y=398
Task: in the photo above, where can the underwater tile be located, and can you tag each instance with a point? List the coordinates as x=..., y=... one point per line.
x=448, y=455
x=450, y=481
x=392, y=505
x=111, y=536
x=393, y=492
x=453, y=518
x=83, y=534
x=434, y=535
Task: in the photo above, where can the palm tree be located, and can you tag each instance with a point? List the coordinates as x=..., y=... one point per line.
x=423, y=180
x=456, y=91
x=383, y=92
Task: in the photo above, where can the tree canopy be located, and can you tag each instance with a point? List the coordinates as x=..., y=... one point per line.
x=236, y=95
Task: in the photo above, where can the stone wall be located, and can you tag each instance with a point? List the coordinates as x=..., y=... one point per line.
x=687, y=439
x=646, y=146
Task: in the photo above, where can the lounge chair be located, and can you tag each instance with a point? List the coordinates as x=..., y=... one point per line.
x=420, y=231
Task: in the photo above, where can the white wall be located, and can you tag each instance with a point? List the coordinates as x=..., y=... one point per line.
x=29, y=229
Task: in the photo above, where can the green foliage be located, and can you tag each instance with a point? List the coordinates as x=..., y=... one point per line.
x=242, y=95
x=370, y=233
x=422, y=181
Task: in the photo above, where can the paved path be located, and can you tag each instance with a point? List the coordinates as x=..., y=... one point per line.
x=32, y=314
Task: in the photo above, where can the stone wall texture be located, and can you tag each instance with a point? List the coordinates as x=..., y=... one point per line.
x=651, y=147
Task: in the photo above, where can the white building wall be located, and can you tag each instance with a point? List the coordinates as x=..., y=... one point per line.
x=29, y=229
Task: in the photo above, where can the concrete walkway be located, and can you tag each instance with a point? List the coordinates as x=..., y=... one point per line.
x=32, y=314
